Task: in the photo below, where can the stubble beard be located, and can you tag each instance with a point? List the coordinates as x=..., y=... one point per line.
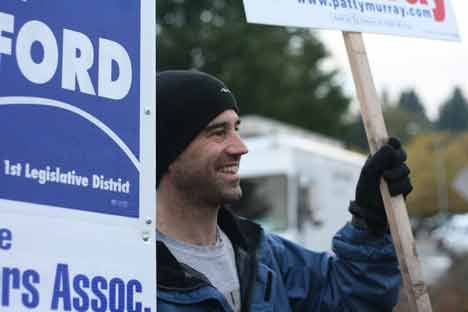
x=212, y=191
x=230, y=194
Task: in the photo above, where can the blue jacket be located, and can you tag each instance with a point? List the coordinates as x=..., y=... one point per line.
x=278, y=275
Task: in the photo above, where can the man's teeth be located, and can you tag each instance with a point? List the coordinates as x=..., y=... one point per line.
x=230, y=169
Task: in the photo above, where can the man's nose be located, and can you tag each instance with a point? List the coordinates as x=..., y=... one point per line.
x=237, y=145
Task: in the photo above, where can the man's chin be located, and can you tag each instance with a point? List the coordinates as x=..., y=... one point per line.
x=232, y=196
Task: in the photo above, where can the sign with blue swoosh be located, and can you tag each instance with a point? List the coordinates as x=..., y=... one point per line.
x=70, y=105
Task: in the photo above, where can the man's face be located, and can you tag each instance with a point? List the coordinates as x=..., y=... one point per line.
x=208, y=170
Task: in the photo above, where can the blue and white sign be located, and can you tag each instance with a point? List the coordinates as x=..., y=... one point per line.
x=77, y=155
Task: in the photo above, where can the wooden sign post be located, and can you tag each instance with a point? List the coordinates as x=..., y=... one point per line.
x=395, y=207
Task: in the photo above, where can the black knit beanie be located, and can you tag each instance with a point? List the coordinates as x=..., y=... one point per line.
x=186, y=102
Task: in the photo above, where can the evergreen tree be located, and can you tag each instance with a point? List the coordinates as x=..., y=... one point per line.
x=453, y=114
x=403, y=119
x=275, y=72
x=409, y=101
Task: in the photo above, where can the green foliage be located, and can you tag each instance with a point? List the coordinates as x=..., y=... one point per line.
x=453, y=114
x=403, y=119
x=409, y=101
x=435, y=159
x=275, y=72
x=405, y=124
x=355, y=135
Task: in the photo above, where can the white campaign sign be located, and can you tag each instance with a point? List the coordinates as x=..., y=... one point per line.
x=432, y=19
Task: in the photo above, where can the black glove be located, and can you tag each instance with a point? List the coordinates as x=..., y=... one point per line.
x=388, y=162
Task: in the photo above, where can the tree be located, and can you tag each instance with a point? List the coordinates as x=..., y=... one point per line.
x=275, y=72
x=408, y=117
x=409, y=101
x=453, y=114
x=355, y=135
x=403, y=120
x=435, y=159
x=405, y=124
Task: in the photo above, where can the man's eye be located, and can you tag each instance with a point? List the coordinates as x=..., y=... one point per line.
x=220, y=132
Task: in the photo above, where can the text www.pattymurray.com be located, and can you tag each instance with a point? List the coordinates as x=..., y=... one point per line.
x=413, y=9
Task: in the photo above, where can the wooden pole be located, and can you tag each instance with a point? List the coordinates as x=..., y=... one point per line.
x=395, y=207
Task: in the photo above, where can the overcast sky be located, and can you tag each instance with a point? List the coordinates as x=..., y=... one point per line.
x=432, y=67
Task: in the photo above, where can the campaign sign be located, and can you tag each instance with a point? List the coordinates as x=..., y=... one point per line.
x=432, y=19
x=77, y=155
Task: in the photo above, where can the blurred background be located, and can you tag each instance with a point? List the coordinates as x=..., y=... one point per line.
x=306, y=138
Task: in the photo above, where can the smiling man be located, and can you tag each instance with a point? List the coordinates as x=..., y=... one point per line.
x=208, y=259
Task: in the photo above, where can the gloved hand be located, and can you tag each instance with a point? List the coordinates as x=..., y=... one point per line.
x=388, y=162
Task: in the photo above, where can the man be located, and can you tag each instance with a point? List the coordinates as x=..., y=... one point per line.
x=208, y=259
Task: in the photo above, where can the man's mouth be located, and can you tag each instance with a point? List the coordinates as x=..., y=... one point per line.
x=231, y=169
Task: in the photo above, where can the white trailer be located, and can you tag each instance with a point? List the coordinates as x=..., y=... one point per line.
x=297, y=185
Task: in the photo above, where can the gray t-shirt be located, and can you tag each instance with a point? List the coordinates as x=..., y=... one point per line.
x=216, y=262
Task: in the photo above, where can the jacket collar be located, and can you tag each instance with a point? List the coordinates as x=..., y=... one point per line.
x=244, y=235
